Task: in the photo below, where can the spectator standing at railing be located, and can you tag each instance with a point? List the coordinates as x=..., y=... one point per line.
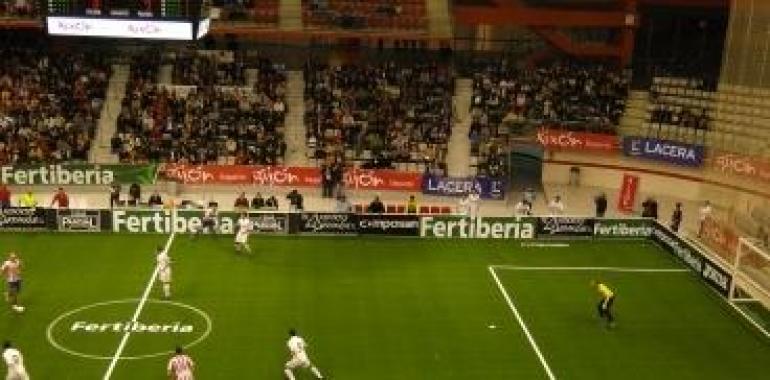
x=5, y=197
x=114, y=195
x=60, y=199
x=705, y=213
x=28, y=200
x=463, y=206
x=134, y=194
x=600, y=202
x=474, y=204
x=676, y=218
x=327, y=180
x=295, y=201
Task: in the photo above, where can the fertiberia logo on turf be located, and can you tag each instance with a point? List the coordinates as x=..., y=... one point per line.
x=478, y=228
x=91, y=331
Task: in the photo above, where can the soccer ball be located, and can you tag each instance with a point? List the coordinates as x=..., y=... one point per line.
x=18, y=309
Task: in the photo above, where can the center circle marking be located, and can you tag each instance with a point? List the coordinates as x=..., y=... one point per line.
x=52, y=340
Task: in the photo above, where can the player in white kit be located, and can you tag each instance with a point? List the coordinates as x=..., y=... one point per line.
x=299, y=358
x=15, y=363
x=180, y=366
x=209, y=221
x=11, y=270
x=164, y=271
x=242, y=235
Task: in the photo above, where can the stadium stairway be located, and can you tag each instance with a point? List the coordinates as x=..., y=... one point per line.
x=101, y=151
x=295, y=130
x=637, y=112
x=439, y=21
x=290, y=13
x=166, y=74
x=459, y=147
x=252, y=75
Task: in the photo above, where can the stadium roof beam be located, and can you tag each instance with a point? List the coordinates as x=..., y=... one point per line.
x=534, y=17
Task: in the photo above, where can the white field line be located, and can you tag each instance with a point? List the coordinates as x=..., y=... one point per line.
x=524, y=328
x=751, y=320
x=602, y=269
x=137, y=312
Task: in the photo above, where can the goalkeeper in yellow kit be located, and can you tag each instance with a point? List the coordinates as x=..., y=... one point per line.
x=605, y=304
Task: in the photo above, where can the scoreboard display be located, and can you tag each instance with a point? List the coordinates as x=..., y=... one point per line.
x=182, y=20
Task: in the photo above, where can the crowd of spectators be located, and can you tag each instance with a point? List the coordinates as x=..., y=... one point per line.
x=694, y=118
x=222, y=68
x=49, y=104
x=205, y=124
x=379, y=113
x=589, y=98
x=19, y=8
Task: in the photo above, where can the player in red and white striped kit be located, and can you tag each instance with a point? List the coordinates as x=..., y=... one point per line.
x=181, y=366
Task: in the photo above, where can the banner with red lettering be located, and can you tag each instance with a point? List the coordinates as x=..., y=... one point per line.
x=554, y=138
x=627, y=196
x=721, y=237
x=290, y=176
x=738, y=165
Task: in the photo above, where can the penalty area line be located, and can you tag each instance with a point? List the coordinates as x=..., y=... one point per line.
x=599, y=269
x=523, y=325
x=137, y=313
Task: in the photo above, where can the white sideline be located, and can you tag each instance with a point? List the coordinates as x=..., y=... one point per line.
x=137, y=312
x=602, y=269
x=524, y=328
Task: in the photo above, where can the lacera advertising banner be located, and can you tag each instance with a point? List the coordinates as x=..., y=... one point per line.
x=710, y=272
x=396, y=225
x=562, y=139
x=77, y=174
x=487, y=187
x=674, y=152
x=458, y=227
x=188, y=221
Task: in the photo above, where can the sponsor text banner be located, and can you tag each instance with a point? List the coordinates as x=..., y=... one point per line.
x=23, y=218
x=673, y=152
x=77, y=174
x=487, y=187
x=460, y=227
x=395, y=225
x=737, y=165
x=328, y=223
x=564, y=227
x=562, y=139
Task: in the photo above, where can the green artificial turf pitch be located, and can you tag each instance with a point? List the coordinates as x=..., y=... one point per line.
x=373, y=308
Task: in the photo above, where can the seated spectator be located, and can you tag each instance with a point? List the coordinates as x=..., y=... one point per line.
x=295, y=201
x=271, y=202
x=522, y=208
x=556, y=206
x=411, y=205
x=155, y=200
x=342, y=204
x=241, y=203
x=28, y=200
x=257, y=202
x=376, y=207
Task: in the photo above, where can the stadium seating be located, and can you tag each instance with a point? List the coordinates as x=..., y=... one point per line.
x=371, y=14
x=379, y=114
x=260, y=12
x=206, y=123
x=49, y=105
x=736, y=117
